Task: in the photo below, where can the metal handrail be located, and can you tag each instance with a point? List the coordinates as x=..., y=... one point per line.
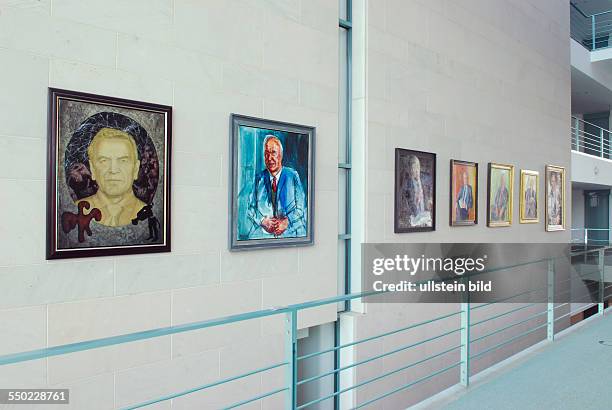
x=583, y=237
x=599, y=145
x=291, y=357
x=590, y=30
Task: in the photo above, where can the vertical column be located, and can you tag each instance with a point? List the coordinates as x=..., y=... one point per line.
x=291, y=359
x=600, y=309
x=465, y=340
x=550, y=318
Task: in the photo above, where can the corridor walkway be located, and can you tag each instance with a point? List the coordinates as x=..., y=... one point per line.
x=574, y=372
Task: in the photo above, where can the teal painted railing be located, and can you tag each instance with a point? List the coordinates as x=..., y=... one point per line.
x=591, y=236
x=592, y=31
x=460, y=351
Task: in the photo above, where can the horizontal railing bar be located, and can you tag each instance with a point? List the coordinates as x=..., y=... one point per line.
x=374, y=379
x=589, y=123
x=504, y=314
x=563, y=316
x=589, y=293
x=408, y=385
x=204, y=387
x=585, y=307
x=508, y=341
x=584, y=32
x=380, y=356
x=367, y=339
x=508, y=298
x=594, y=142
x=602, y=41
x=591, y=145
x=601, y=13
x=603, y=30
x=589, y=229
x=561, y=305
x=509, y=326
x=170, y=330
x=261, y=396
x=582, y=131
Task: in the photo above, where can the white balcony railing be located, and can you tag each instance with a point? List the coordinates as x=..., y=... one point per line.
x=591, y=139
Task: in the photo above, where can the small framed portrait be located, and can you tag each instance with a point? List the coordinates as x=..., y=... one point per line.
x=499, y=198
x=555, y=198
x=529, y=209
x=108, y=176
x=272, y=183
x=463, y=193
x=415, y=191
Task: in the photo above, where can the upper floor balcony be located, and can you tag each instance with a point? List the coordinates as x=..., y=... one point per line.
x=593, y=31
x=591, y=153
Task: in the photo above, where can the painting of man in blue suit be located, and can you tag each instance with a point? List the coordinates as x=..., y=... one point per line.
x=465, y=199
x=277, y=203
x=272, y=181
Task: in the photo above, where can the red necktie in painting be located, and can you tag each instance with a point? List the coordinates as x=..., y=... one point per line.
x=274, y=184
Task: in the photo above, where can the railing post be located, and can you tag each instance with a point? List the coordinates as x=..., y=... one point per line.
x=586, y=246
x=601, y=142
x=465, y=339
x=593, y=28
x=600, y=309
x=291, y=358
x=550, y=317
x=577, y=128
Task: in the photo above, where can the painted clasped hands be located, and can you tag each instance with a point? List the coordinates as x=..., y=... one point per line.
x=275, y=226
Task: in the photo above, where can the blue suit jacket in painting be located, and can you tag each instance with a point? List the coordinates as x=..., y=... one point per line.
x=290, y=203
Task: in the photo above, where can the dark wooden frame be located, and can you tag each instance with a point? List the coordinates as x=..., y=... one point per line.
x=451, y=191
x=490, y=223
x=51, y=244
x=236, y=121
x=396, y=228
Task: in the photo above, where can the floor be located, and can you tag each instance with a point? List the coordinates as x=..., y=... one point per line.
x=574, y=372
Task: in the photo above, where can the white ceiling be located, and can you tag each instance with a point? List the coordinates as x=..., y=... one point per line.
x=588, y=96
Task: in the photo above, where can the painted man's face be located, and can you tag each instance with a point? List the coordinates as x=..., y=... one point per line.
x=465, y=178
x=273, y=156
x=114, y=166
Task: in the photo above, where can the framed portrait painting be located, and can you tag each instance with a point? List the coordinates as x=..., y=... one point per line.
x=499, y=198
x=463, y=193
x=272, y=183
x=528, y=197
x=415, y=191
x=555, y=198
x=108, y=190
